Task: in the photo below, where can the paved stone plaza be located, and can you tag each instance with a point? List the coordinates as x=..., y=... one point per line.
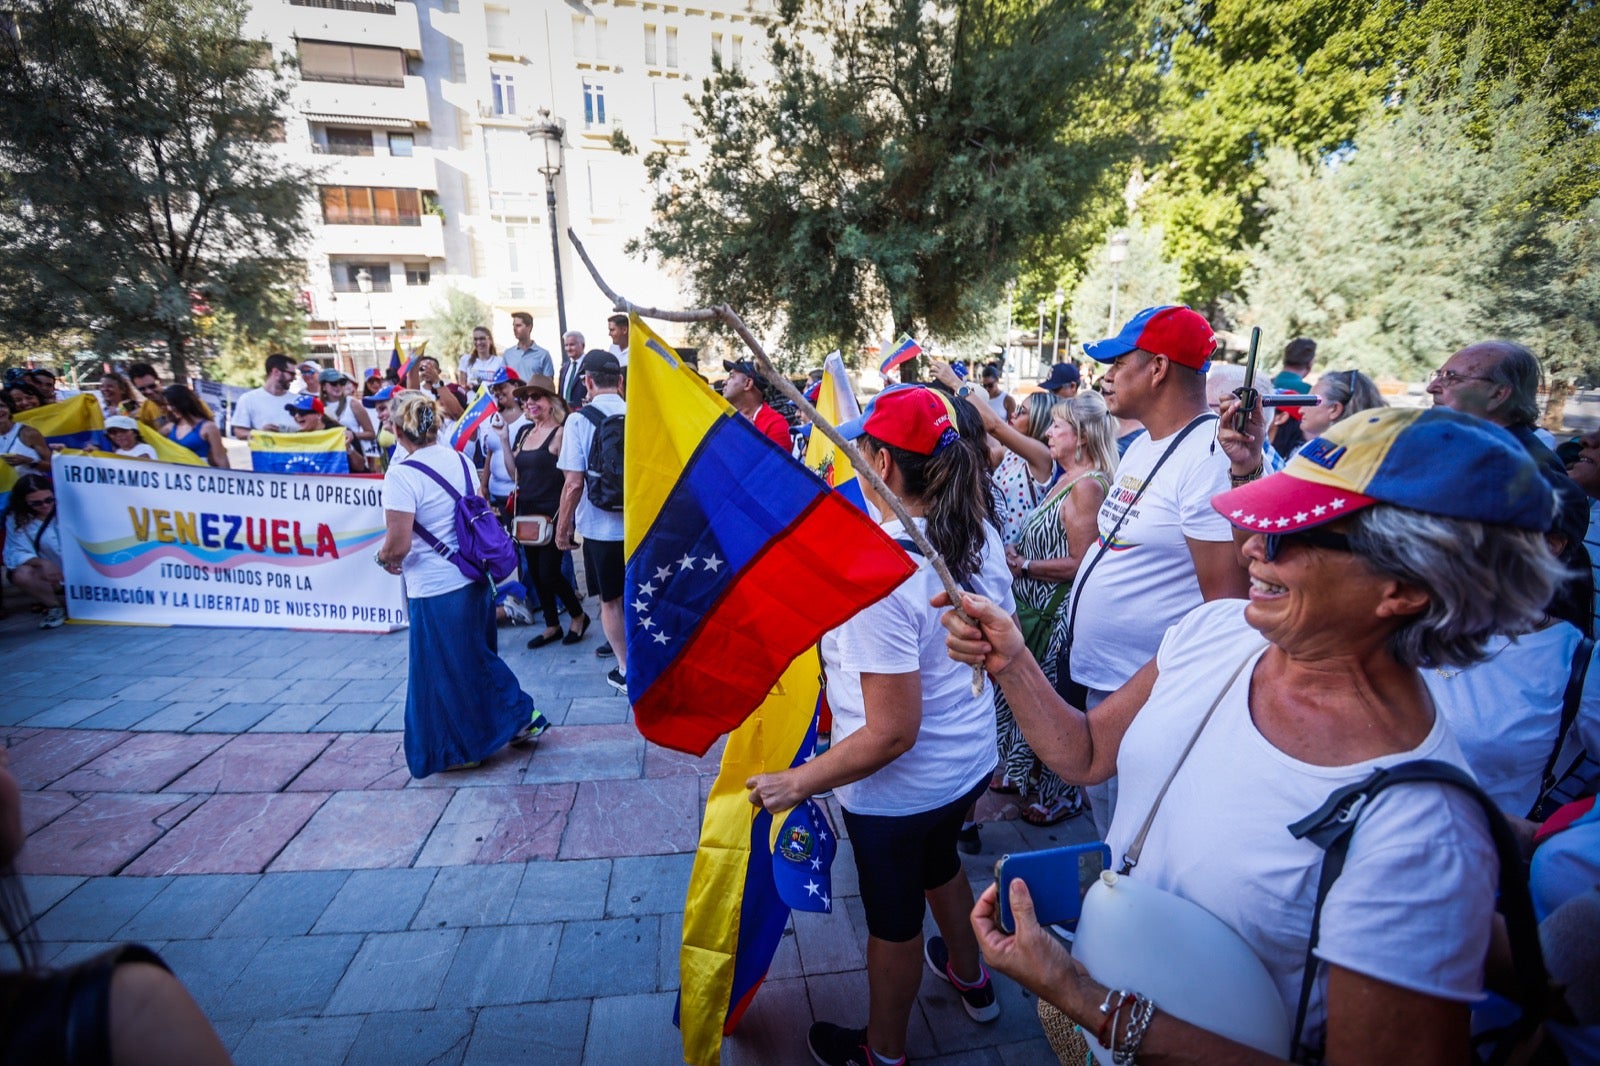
x=238, y=800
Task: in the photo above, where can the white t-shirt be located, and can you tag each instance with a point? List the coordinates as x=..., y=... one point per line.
x=347, y=416
x=258, y=409
x=1506, y=710
x=955, y=744
x=997, y=404
x=479, y=371
x=19, y=542
x=1414, y=902
x=426, y=572
x=577, y=435
x=138, y=451
x=620, y=352
x=500, y=483
x=1147, y=580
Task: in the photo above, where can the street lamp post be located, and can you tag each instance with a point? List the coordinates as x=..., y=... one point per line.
x=1039, y=351
x=1055, y=338
x=364, y=283
x=552, y=132
x=1005, y=349
x=1116, y=255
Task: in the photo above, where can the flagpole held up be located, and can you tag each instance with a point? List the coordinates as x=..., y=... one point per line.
x=726, y=314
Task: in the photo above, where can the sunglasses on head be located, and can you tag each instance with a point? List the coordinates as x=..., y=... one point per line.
x=1307, y=538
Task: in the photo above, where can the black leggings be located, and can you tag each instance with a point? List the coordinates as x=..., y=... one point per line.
x=544, y=571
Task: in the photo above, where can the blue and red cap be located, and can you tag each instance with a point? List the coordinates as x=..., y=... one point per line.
x=913, y=417
x=385, y=393
x=1179, y=333
x=1432, y=460
x=501, y=376
x=303, y=404
x=803, y=846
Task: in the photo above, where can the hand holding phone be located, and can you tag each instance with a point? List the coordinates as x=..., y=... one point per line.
x=1057, y=879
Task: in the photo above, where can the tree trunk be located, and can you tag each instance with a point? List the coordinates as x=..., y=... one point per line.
x=911, y=369
x=175, y=358
x=1555, y=407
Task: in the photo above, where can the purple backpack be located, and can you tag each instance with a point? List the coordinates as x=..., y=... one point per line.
x=484, y=550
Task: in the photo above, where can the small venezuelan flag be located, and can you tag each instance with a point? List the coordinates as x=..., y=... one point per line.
x=476, y=414
x=905, y=350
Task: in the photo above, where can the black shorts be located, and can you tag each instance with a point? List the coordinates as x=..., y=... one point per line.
x=899, y=857
x=602, y=562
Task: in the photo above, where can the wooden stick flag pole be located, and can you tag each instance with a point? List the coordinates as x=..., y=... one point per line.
x=726, y=314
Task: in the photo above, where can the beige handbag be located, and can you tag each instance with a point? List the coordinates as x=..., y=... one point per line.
x=533, y=530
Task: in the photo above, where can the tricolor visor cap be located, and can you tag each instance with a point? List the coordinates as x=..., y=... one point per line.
x=912, y=417
x=1179, y=333
x=1434, y=461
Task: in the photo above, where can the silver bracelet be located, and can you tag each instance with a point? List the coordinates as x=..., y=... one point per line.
x=1138, y=1023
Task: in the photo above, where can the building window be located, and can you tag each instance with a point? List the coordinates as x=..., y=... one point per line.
x=602, y=45
x=581, y=39
x=649, y=45
x=344, y=276
x=738, y=52
x=359, y=205
x=354, y=64
x=402, y=144
x=594, y=104
x=458, y=62
x=417, y=275
x=505, y=93
x=345, y=141
x=497, y=28
x=719, y=58
x=672, y=47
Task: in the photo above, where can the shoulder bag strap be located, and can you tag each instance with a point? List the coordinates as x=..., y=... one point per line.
x=1130, y=858
x=1331, y=827
x=1084, y=571
x=428, y=538
x=1571, y=699
x=39, y=533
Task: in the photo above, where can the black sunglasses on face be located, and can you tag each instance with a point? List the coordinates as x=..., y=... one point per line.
x=1308, y=538
x=41, y=501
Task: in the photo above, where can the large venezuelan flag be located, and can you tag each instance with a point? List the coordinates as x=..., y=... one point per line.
x=837, y=404
x=318, y=452
x=75, y=422
x=738, y=557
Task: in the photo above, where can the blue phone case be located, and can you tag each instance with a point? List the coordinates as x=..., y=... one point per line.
x=1057, y=879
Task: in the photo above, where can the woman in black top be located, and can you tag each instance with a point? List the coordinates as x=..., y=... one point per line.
x=531, y=460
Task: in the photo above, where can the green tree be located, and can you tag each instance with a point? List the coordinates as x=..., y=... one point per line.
x=903, y=158
x=136, y=191
x=449, y=328
x=1146, y=278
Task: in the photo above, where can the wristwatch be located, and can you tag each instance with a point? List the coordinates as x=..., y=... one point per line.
x=1025, y=564
x=964, y=391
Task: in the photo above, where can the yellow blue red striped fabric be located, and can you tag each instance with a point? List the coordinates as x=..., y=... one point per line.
x=318, y=452
x=837, y=404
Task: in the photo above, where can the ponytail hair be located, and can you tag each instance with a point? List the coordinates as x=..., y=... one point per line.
x=953, y=486
x=415, y=416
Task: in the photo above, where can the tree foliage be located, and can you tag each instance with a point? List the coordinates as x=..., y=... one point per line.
x=1146, y=279
x=449, y=327
x=902, y=160
x=137, y=194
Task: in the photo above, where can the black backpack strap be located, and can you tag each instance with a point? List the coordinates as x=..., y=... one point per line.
x=593, y=415
x=1571, y=699
x=1331, y=827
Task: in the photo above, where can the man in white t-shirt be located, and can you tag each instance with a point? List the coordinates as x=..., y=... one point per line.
x=1172, y=551
x=263, y=408
x=617, y=328
x=601, y=529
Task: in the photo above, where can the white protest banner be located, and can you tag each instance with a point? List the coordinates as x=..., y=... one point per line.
x=220, y=398
x=181, y=545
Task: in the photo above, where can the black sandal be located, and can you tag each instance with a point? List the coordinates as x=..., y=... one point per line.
x=575, y=635
x=549, y=636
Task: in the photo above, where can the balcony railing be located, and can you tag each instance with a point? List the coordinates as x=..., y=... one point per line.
x=341, y=149
x=354, y=79
x=370, y=7
x=346, y=218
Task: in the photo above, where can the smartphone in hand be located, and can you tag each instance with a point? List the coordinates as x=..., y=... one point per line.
x=1057, y=880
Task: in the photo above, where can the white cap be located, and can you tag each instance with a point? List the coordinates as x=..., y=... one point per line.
x=122, y=422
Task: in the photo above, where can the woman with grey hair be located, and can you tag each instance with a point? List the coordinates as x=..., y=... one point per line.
x=1344, y=393
x=1401, y=538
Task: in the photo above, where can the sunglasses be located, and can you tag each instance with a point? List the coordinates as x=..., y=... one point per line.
x=1309, y=538
x=41, y=501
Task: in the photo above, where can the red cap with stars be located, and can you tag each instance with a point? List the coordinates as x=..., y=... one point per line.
x=1431, y=460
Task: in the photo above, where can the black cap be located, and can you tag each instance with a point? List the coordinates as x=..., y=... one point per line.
x=599, y=361
x=747, y=368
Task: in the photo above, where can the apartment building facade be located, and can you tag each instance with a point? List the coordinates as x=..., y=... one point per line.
x=433, y=126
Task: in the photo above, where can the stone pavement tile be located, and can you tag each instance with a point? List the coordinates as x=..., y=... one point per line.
x=953, y=1031
x=613, y=957
x=420, y=1038
x=351, y=717
x=63, y=713
x=365, y=831
x=50, y=754
x=976, y=1057
x=188, y=909
x=356, y=761
x=671, y=945
x=513, y=823
x=39, y=684
x=236, y=833
x=143, y=763
x=633, y=1029
x=1025, y=1053
x=587, y=753
x=102, y=834
x=284, y=904
x=43, y=807
x=396, y=971
x=233, y=718
x=263, y=685
x=841, y=998
x=99, y=907
x=469, y=896
x=46, y=890
x=589, y=710
x=297, y=1041
x=648, y=884
x=500, y=965
x=392, y=721
x=846, y=882
x=252, y=764
x=208, y=968
x=562, y=891
x=504, y=767
x=313, y=689
x=827, y=942
x=651, y=816
x=122, y=714
x=773, y=1029
x=291, y=718
x=786, y=960
x=118, y=686
x=376, y=901
x=664, y=762
x=177, y=716
x=231, y=1033
x=549, y=1034
x=18, y=709
x=290, y=976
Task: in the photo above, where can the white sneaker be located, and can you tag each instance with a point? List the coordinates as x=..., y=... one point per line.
x=517, y=611
x=54, y=618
